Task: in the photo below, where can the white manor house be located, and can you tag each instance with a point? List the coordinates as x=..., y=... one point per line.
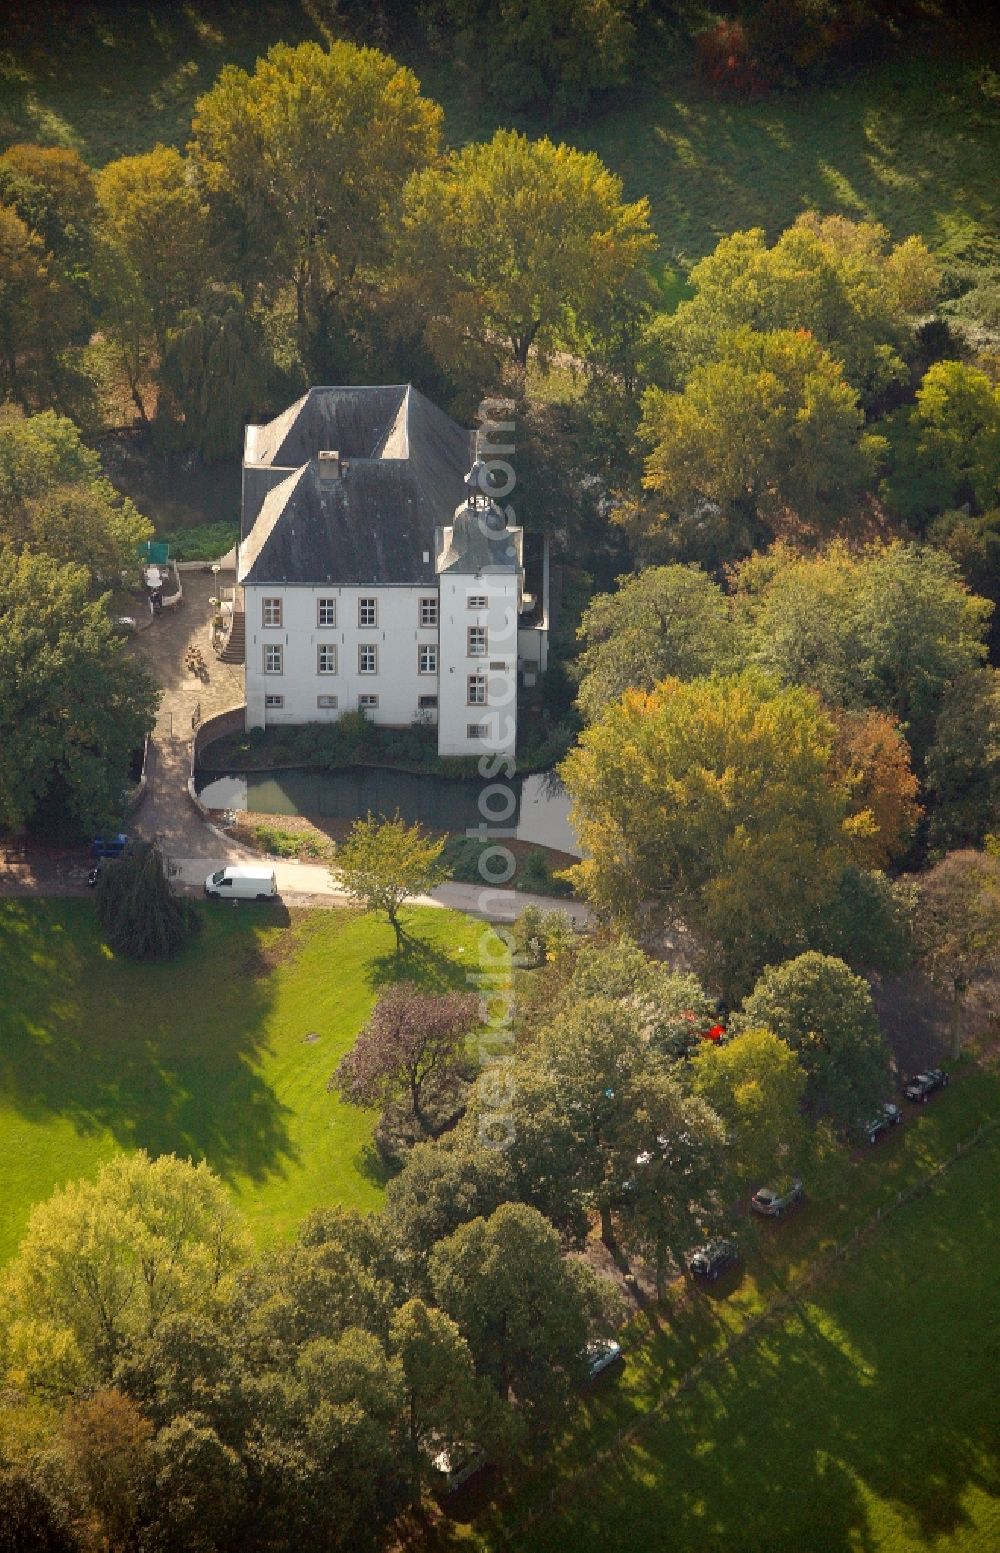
x=378, y=575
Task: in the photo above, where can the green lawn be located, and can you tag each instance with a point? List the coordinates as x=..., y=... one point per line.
x=205, y=1056
x=913, y=142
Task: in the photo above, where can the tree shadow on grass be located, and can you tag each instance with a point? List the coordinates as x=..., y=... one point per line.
x=431, y=968
x=160, y=1055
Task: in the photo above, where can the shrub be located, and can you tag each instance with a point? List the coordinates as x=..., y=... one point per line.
x=140, y=915
x=535, y=875
x=205, y=542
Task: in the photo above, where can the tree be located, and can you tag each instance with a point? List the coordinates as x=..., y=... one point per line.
x=412, y=1056
x=891, y=627
x=946, y=448
x=825, y=1013
x=768, y=429
x=157, y=218
x=383, y=863
x=215, y=365
x=713, y=802
x=52, y=189
x=442, y=1185
x=104, y=1262
x=874, y=758
x=755, y=1083
x=524, y=1309
x=963, y=763
x=107, y=1444
x=73, y=705
x=671, y=1008
x=38, y=312
x=551, y=53
x=516, y=244
x=445, y=1404
x=958, y=927
x=30, y=1519
x=835, y=278
x=306, y=160
x=141, y=917
x=667, y=620
x=199, y=1490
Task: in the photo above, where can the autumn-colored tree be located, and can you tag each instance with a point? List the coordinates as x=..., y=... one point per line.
x=382, y=863
x=157, y=218
x=516, y=245
x=768, y=429
x=958, y=927
x=412, y=1054
x=107, y=1444
x=305, y=161
x=713, y=802
x=873, y=757
x=38, y=312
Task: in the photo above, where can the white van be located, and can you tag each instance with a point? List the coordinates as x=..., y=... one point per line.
x=242, y=884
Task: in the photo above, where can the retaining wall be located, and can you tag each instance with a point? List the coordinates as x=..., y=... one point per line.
x=233, y=720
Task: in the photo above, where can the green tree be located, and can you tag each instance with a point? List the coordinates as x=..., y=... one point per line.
x=104, y=1262
x=671, y=1008
x=446, y=1405
x=141, y=917
x=958, y=928
x=713, y=802
x=667, y=620
x=215, y=365
x=306, y=158
x=963, y=763
x=556, y=54
x=767, y=430
x=441, y=1186
x=382, y=863
x=946, y=448
x=31, y=1520
x=892, y=627
x=518, y=244
x=756, y=1084
x=835, y=278
x=73, y=705
x=825, y=1013
x=525, y=1310
x=200, y=1488
x=39, y=313
x=157, y=218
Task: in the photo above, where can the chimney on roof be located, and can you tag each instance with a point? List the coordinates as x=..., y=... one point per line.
x=329, y=468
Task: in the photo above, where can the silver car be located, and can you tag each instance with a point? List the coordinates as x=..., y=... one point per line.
x=772, y=1203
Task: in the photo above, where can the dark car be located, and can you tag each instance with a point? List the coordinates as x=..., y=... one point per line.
x=711, y=1260
x=772, y=1203
x=108, y=846
x=922, y=1085
x=93, y=875
x=888, y=1115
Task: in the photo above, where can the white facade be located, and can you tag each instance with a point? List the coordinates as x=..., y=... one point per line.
x=300, y=668
x=478, y=658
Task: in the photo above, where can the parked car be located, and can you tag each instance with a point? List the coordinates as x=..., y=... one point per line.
x=712, y=1259
x=922, y=1085
x=245, y=884
x=108, y=846
x=455, y=1467
x=600, y=1355
x=888, y=1115
x=772, y=1203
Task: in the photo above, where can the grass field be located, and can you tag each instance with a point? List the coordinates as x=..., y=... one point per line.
x=205, y=1056
x=913, y=141
x=868, y=1420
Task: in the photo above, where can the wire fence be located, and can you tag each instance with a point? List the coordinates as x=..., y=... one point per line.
x=814, y=1273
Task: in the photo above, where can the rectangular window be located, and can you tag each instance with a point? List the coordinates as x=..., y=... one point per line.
x=368, y=703
x=271, y=612
x=274, y=701
x=476, y=642
x=326, y=612
x=476, y=731
x=428, y=612
x=326, y=701
x=273, y=659
x=476, y=601
x=367, y=658
x=367, y=612
x=476, y=689
x=326, y=658
x=427, y=703
x=427, y=659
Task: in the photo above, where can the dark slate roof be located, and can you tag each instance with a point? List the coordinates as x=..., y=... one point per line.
x=404, y=477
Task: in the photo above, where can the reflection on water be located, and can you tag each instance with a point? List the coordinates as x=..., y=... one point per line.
x=540, y=812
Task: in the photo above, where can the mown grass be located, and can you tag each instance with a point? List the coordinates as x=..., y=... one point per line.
x=211, y=1055
x=912, y=141
x=844, y=1193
